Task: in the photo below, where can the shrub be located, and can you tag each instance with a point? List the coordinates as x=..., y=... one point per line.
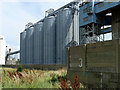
x=20, y=69
x=65, y=85
x=56, y=78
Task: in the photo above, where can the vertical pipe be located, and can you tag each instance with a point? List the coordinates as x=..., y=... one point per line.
x=93, y=16
x=93, y=5
x=103, y=33
x=93, y=28
x=73, y=28
x=9, y=52
x=73, y=12
x=55, y=62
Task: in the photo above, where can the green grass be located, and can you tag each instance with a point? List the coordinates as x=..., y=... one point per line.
x=32, y=78
x=0, y=78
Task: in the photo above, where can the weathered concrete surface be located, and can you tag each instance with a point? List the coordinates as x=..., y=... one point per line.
x=116, y=35
x=116, y=24
x=77, y=58
x=102, y=56
x=101, y=64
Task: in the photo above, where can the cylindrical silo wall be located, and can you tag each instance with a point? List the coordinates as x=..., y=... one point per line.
x=23, y=47
x=63, y=24
x=29, y=45
x=49, y=40
x=38, y=41
x=67, y=32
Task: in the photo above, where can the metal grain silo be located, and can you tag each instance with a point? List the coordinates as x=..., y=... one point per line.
x=67, y=34
x=49, y=40
x=38, y=42
x=23, y=47
x=29, y=45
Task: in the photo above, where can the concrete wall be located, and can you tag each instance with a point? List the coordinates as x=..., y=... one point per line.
x=116, y=33
x=98, y=59
x=102, y=56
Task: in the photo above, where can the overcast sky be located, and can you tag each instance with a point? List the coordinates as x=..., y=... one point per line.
x=15, y=14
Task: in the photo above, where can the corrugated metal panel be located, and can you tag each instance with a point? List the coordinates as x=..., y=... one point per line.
x=103, y=6
x=23, y=47
x=85, y=18
x=67, y=33
x=49, y=40
x=38, y=41
x=29, y=46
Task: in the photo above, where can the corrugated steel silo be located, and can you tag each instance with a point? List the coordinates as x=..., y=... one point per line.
x=23, y=47
x=29, y=45
x=49, y=40
x=63, y=22
x=67, y=34
x=38, y=42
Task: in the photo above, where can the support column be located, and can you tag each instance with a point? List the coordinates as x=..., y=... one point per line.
x=116, y=35
x=115, y=24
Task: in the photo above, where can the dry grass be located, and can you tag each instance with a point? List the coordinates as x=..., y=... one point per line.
x=11, y=78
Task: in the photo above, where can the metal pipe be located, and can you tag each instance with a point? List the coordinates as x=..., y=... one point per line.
x=93, y=15
x=103, y=33
x=93, y=2
x=9, y=52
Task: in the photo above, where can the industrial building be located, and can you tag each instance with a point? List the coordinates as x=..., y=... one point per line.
x=96, y=61
x=45, y=42
x=2, y=50
x=74, y=24
x=75, y=35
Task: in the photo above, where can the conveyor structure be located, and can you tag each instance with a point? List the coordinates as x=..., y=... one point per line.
x=95, y=61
